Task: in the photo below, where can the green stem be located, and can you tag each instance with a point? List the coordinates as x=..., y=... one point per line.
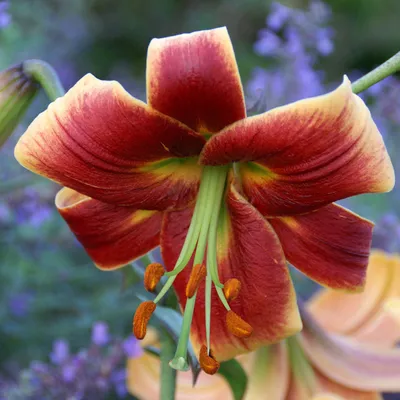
x=46, y=76
x=383, y=71
x=168, y=375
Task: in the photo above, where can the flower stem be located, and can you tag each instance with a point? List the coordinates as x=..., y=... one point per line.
x=389, y=67
x=46, y=76
x=168, y=375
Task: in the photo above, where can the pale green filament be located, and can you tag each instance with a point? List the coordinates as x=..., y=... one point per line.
x=195, y=225
x=212, y=248
x=207, y=296
x=202, y=234
x=216, y=189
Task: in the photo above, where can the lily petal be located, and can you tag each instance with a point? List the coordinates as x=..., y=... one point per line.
x=300, y=157
x=249, y=250
x=349, y=363
x=267, y=372
x=336, y=257
x=112, y=235
x=194, y=78
x=381, y=330
x=345, y=313
x=330, y=390
x=102, y=142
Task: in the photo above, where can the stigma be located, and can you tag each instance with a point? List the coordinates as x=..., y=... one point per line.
x=201, y=246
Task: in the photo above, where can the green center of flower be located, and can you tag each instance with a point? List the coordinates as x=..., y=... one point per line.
x=201, y=241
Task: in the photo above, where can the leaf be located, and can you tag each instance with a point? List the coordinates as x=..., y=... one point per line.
x=171, y=320
x=233, y=372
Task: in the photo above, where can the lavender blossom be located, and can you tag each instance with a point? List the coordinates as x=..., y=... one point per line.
x=296, y=39
x=95, y=373
x=5, y=17
x=100, y=335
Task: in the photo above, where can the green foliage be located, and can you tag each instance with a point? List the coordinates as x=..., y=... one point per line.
x=233, y=372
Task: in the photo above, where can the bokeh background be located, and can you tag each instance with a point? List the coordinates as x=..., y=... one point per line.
x=49, y=289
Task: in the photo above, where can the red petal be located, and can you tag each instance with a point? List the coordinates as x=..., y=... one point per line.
x=248, y=250
x=194, y=78
x=112, y=235
x=300, y=157
x=102, y=142
x=330, y=245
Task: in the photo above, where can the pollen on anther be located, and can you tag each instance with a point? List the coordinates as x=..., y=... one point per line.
x=152, y=276
x=198, y=273
x=232, y=288
x=238, y=326
x=207, y=361
x=142, y=317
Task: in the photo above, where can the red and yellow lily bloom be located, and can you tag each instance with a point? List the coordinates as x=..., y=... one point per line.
x=229, y=199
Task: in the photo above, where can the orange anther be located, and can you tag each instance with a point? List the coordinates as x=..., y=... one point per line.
x=237, y=326
x=142, y=317
x=231, y=289
x=207, y=361
x=152, y=276
x=199, y=272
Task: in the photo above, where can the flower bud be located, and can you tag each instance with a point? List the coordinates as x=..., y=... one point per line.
x=17, y=91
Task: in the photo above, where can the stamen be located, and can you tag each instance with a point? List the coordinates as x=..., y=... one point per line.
x=198, y=273
x=237, y=326
x=209, y=201
x=152, y=276
x=207, y=361
x=232, y=288
x=142, y=317
x=207, y=296
x=195, y=226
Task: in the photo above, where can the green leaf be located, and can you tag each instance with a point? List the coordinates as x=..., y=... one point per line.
x=233, y=372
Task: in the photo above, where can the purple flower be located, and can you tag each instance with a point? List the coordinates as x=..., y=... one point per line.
x=60, y=351
x=267, y=44
x=5, y=17
x=19, y=304
x=69, y=372
x=132, y=347
x=100, y=335
x=278, y=16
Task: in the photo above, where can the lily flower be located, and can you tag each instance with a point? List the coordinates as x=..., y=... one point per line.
x=345, y=350
x=230, y=199
x=372, y=316
x=17, y=91
x=319, y=363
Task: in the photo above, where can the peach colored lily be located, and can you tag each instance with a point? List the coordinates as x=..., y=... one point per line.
x=316, y=365
x=355, y=359
x=140, y=175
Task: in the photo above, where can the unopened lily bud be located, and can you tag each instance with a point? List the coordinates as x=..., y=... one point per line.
x=17, y=91
x=237, y=326
x=198, y=273
x=231, y=289
x=142, y=318
x=152, y=276
x=207, y=361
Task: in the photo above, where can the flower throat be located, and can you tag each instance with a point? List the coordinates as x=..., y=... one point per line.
x=201, y=240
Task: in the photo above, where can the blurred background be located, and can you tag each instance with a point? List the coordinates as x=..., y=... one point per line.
x=50, y=293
